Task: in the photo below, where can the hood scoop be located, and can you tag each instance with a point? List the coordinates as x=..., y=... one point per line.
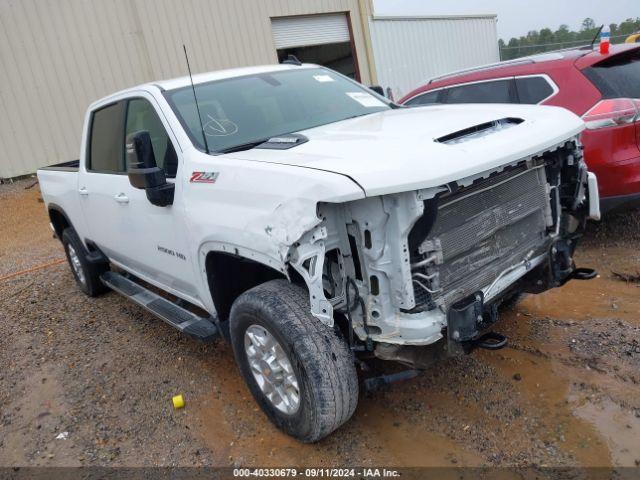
x=480, y=130
x=284, y=142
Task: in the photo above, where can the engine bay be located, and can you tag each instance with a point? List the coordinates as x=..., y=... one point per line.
x=394, y=266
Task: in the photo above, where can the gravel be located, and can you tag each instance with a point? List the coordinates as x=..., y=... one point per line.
x=104, y=371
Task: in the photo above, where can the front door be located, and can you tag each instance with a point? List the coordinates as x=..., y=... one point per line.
x=149, y=241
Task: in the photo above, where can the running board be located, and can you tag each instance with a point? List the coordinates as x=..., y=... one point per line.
x=201, y=328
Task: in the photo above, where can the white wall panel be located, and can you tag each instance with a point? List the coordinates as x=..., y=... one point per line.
x=57, y=56
x=409, y=51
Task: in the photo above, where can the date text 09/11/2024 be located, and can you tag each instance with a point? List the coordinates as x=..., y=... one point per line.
x=316, y=472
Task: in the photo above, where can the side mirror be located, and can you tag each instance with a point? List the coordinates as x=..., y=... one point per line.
x=378, y=89
x=143, y=171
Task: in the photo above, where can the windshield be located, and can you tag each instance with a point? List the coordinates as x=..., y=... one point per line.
x=244, y=110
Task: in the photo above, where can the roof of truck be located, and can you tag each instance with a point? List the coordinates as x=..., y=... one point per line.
x=224, y=74
x=180, y=82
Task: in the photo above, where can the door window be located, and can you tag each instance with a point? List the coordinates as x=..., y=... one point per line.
x=106, y=146
x=533, y=90
x=142, y=116
x=427, y=98
x=498, y=91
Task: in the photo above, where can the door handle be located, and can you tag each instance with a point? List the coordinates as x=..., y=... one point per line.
x=121, y=198
x=83, y=191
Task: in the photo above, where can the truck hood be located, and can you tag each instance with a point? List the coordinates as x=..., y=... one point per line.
x=407, y=149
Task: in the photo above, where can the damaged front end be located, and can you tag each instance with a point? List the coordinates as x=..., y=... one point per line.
x=407, y=269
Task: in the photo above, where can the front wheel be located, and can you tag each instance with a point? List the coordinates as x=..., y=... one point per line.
x=301, y=373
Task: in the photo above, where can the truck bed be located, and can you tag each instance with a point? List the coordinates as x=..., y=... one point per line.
x=71, y=166
x=59, y=188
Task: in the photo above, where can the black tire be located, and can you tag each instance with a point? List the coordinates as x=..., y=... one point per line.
x=322, y=361
x=92, y=286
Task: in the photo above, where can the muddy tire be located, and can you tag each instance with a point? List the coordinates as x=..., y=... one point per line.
x=87, y=274
x=313, y=388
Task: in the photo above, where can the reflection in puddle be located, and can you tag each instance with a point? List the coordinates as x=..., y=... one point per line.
x=620, y=428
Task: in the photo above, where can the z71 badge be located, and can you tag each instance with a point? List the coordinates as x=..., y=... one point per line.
x=204, y=177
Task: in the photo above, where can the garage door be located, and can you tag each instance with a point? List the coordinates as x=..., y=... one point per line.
x=310, y=30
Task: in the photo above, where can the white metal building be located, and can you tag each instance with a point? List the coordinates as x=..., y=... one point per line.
x=410, y=50
x=57, y=56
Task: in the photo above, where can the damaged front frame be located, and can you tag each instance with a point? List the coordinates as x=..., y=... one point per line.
x=370, y=238
x=307, y=259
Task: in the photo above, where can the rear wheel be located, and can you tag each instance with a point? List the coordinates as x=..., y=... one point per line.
x=86, y=273
x=300, y=372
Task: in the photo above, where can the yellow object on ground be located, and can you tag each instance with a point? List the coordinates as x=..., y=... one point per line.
x=635, y=38
x=178, y=401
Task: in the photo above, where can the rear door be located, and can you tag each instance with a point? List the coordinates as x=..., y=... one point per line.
x=102, y=177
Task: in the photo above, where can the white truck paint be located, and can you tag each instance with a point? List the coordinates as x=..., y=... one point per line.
x=410, y=211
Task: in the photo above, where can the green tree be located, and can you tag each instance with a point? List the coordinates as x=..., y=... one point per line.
x=546, y=36
x=563, y=34
x=546, y=39
x=588, y=24
x=629, y=26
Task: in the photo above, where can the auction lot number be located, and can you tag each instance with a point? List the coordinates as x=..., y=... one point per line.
x=315, y=472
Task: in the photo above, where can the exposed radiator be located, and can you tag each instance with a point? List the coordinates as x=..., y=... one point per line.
x=479, y=232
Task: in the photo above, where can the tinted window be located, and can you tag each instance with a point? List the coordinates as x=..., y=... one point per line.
x=107, y=139
x=424, y=99
x=618, y=76
x=142, y=116
x=247, y=109
x=483, y=92
x=533, y=89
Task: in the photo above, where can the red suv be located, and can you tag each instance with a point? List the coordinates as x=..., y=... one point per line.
x=603, y=89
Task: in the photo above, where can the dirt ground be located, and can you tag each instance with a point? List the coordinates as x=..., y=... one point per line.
x=566, y=392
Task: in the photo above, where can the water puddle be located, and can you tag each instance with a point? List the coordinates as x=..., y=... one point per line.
x=238, y=433
x=563, y=363
x=601, y=297
x=619, y=427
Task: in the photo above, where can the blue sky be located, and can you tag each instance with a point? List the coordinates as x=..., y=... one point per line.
x=517, y=17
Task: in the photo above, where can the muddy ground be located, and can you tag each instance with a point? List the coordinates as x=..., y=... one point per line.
x=566, y=392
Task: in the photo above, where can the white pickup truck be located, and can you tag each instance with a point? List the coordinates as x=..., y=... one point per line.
x=312, y=223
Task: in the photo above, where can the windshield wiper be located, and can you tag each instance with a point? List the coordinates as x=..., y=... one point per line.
x=358, y=115
x=254, y=143
x=243, y=146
